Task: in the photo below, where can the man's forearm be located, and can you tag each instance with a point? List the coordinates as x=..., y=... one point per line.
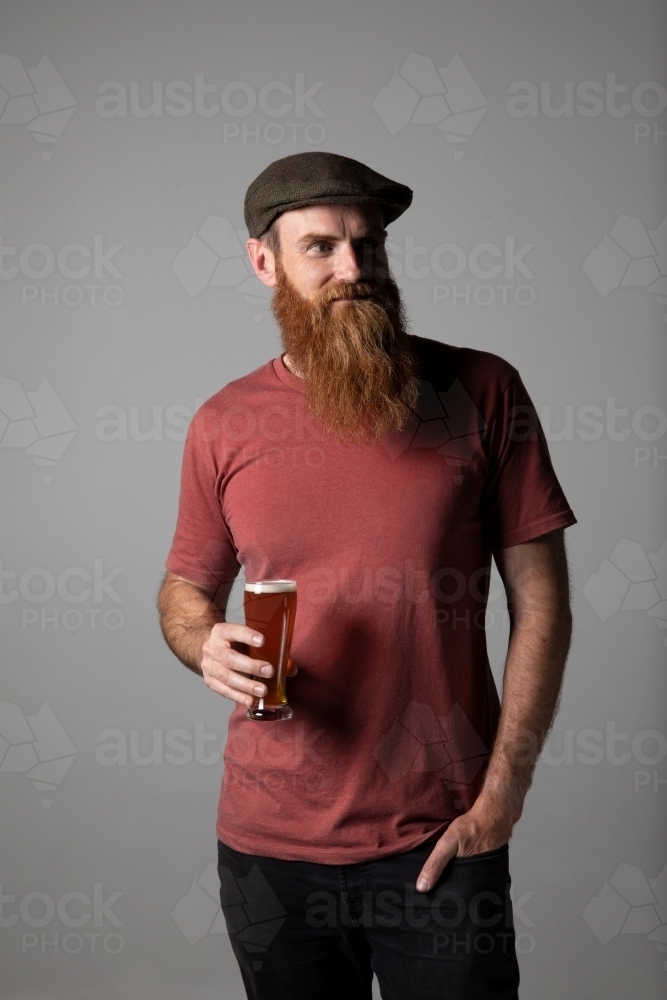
x=541, y=625
x=187, y=615
x=532, y=681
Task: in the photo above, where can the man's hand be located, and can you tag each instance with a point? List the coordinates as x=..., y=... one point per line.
x=192, y=620
x=230, y=672
x=486, y=826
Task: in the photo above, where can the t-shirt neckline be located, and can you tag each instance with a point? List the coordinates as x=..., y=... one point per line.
x=285, y=375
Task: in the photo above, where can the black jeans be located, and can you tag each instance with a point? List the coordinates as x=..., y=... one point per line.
x=302, y=931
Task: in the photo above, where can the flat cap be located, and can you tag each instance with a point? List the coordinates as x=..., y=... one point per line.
x=319, y=178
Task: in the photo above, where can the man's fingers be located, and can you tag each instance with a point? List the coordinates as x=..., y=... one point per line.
x=239, y=682
x=220, y=651
x=227, y=692
x=214, y=670
x=244, y=664
x=441, y=855
x=231, y=673
x=235, y=632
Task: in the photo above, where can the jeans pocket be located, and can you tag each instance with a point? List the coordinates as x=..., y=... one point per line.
x=496, y=853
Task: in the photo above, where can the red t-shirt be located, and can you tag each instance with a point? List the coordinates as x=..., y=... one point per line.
x=395, y=707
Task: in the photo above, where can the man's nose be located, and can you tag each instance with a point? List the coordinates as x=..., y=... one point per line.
x=349, y=265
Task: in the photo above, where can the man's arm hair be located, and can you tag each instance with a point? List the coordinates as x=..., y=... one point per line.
x=536, y=579
x=188, y=611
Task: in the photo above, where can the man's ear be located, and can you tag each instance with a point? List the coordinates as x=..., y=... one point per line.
x=263, y=261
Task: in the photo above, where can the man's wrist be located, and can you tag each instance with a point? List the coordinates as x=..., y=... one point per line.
x=188, y=645
x=502, y=799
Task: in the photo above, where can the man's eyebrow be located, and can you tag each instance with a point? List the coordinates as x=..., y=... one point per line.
x=332, y=238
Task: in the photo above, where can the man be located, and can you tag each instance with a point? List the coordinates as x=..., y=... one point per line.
x=381, y=471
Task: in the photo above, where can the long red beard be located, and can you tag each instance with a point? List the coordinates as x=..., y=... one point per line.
x=358, y=366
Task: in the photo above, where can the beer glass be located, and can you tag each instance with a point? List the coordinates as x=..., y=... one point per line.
x=270, y=608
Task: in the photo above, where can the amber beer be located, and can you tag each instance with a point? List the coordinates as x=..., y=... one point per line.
x=270, y=608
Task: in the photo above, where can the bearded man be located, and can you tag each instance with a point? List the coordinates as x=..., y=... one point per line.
x=382, y=471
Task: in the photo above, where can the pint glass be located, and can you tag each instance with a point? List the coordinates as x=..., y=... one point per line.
x=270, y=608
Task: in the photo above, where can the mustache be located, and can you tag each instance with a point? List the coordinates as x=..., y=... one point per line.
x=349, y=290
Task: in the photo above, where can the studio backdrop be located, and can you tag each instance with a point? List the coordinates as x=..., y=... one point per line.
x=533, y=135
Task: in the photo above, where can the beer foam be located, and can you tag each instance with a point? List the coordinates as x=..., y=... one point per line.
x=271, y=587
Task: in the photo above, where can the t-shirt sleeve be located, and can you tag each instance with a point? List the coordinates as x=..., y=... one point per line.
x=202, y=549
x=523, y=498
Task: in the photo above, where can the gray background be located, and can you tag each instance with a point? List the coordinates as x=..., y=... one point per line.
x=591, y=826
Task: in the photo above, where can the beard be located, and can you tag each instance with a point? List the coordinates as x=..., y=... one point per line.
x=356, y=360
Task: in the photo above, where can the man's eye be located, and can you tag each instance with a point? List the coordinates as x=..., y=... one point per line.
x=321, y=246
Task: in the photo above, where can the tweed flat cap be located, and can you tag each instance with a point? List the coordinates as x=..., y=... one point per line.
x=319, y=178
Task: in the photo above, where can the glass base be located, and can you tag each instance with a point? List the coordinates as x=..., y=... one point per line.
x=266, y=714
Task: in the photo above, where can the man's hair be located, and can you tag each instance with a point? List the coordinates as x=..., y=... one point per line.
x=271, y=238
